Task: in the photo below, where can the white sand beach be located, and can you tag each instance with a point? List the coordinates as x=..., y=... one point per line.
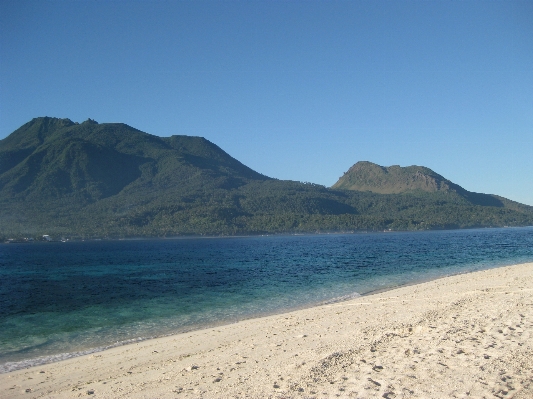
x=469, y=335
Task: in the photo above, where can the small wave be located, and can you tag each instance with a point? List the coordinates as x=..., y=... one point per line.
x=341, y=298
x=39, y=361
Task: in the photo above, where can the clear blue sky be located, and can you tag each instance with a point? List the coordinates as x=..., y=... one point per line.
x=297, y=90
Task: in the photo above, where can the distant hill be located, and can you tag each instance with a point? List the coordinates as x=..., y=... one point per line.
x=367, y=176
x=84, y=180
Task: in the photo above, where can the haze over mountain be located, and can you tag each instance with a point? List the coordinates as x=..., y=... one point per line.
x=111, y=180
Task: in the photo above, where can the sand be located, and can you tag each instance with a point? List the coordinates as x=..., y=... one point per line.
x=469, y=335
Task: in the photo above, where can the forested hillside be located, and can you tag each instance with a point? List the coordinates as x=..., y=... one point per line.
x=93, y=180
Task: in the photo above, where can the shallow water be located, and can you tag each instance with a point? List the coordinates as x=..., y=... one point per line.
x=59, y=300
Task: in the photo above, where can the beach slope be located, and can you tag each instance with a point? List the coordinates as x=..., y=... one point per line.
x=469, y=335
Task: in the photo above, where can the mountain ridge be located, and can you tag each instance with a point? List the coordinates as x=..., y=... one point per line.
x=112, y=180
x=368, y=176
x=49, y=155
x=395, y=179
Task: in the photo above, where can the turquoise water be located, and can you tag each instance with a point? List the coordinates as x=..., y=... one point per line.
x=59, y=300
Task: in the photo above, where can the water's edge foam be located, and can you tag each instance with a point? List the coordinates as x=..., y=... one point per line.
x=42, y=360
x=39, y=361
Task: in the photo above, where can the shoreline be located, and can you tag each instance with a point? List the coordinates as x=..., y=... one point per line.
x=23, y=240
x=452, y=336
x=9, y=367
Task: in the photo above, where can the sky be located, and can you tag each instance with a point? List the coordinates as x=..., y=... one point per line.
x=296, y=90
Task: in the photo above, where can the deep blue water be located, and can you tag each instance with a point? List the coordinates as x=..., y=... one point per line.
x=62, y=299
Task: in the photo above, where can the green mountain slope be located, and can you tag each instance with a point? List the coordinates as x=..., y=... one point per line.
x=62, y=178
x=50, y=158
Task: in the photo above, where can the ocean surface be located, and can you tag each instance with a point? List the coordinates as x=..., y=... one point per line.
x=59, y=300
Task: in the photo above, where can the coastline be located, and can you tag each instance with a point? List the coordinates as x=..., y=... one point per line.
x=22, y=239
x=463, y=335
x=12, y=366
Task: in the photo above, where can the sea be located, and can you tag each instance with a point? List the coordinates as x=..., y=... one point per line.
x=64, y=299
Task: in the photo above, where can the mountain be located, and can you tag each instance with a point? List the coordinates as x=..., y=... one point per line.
x=368, y=176
x=84, y=180
x=51, y=158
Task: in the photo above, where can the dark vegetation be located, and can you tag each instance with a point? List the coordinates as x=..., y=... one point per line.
x=93, y=180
